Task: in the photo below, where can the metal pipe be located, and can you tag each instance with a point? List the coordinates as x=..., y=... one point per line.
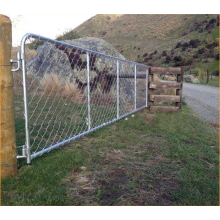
x=39, y=153
x=88, y=91
x=27, y=133
x=135, y=87
x=117, y=90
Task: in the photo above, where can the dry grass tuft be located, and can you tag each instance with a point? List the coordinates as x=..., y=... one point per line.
x=55, y=86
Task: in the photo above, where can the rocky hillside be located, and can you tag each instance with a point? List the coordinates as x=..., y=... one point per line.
x=175, y=40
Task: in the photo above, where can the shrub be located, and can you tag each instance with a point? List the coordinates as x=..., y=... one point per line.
x=177, y=58
x=168, y=59
x=178, y=45
x=217, y=56
x=146, y=59
x=215, y=73
x=212, y=45
x=212, y=21
x=35, y=44
x=155, y=52
x=139, y=48
x=185, y=44
x=194, y=43
x=164, y=53
x=211, y=53
x=145, y=54
x=68, y=35
x=184, y=33
x=151, y=56
x=195, y=56
x=201, y=50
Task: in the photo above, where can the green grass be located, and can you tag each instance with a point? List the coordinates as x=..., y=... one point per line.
x=212, y=82
x=171, y=160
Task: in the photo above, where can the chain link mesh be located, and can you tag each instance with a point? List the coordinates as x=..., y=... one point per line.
x=68, y=96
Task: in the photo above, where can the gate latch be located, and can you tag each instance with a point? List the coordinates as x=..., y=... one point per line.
x=18, y=61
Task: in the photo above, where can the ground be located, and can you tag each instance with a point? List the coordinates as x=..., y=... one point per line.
x=204, y=100
x=172, y=159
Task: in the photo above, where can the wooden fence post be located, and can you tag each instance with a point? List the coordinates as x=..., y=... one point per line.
x=207, y=82
x=8, y=144
x=179, y=91
x=150, y=91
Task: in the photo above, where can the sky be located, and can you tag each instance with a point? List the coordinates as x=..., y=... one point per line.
x=45, y=25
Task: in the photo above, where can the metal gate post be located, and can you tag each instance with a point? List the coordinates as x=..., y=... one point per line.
x=146, y=86
x=117, y=90
x=135, y=87
x=88, y=91
x=27, y=133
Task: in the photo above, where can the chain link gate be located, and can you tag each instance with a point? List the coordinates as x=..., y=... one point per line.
x=68, y=91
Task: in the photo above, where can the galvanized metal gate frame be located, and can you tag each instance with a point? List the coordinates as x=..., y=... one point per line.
x=21, y=61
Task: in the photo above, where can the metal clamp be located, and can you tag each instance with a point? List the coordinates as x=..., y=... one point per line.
x=18, y=61
x=24, y=152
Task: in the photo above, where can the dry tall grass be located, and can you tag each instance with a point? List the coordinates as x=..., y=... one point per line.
x=59, y=87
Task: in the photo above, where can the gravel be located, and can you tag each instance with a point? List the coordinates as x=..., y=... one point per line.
x=204, y=100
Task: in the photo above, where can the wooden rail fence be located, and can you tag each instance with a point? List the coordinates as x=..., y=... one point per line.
x=161, y=98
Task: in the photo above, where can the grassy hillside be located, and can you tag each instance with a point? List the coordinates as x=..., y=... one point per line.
x=153, y=39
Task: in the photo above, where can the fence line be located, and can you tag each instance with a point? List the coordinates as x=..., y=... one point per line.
x=68, y=91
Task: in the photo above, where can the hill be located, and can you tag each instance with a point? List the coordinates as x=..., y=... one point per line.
x=174, y=40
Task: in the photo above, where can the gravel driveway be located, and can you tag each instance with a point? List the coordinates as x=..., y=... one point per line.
x=204, y=100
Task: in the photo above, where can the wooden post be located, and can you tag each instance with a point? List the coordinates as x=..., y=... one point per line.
x=150, y=91
x=8, y=144
x=207, y=82
x=179, y=91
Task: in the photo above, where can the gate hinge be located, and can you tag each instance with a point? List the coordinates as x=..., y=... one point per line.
x=18, y=61
x=24, y=152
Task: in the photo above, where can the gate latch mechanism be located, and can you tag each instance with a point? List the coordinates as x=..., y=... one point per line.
x=18, y=61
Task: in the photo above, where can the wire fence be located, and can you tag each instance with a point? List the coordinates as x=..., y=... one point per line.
x=69, y=91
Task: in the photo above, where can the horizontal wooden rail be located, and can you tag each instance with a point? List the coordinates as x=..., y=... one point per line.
x=165, y=98
x=165, y=70
x=164, y=108
x=164, y=85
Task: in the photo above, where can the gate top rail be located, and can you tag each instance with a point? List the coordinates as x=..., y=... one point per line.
x=39, y=37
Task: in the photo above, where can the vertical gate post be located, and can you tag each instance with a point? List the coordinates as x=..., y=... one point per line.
x=146, y=87
x=207, y=81
x=117, y=90
x=88, y=91
x=27, y=133
x=150, y=91
x=180, y=91
x=8, y=143
x=135, y=87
